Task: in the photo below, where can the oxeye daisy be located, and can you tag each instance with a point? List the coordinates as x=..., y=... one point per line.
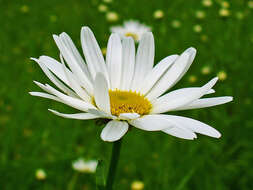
x=126, y=89
x=132, y=29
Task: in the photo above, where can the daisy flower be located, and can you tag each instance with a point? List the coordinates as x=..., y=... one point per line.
x=132, y=29
x=126, y=89
x=85, y=166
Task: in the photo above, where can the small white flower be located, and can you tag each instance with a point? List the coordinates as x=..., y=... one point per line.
x=112, y=16
x=40, y=174
x=137, y=185
x=197, y=28
x=131, y=28
x=84, y=166
x=127, y=88
x=158, y=14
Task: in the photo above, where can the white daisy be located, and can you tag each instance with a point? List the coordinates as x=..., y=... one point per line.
x=85, y=166
x=126, y=88
x=131, y=28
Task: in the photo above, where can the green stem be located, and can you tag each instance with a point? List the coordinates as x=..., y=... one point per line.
x=113, y=165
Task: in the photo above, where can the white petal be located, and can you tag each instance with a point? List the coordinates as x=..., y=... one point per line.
x=193, y=125
x=71, y=46
x=206, y=102
x=45, y=95
x=127, y=116
x=81, y=116
x=151, y=122
x=174, y=74
x=113, y=60
x=73, y=64
x=92, y=52
x=76, y=86
x=101, y=114
x=180, y=133
x=55, y=67
x=73, y=102
x=211, y=91
x=54, y=80
x=156, y=73
x=128, y=62
x=144, y=59
x=101, y=93
x=114, y=130
x=181, y=97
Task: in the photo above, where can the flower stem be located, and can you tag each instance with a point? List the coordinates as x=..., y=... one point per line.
x=113, y=164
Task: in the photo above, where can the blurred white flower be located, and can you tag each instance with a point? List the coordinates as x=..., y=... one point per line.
x=40, y=174
x=107, y=1
x=176, y=24
x=85, y=166
x=207, y=3
x=158, y=14
x=222, y=75
x=127, y=88
x=192, y=78
x=24, y=9
x=224, y=12
x=197, y=28
x=200, y=14
x=131, y=28
x=250, y=4
x=206, y=70
x=137, y=185
x=112, y=16
x=102, y=8
x=225, y=4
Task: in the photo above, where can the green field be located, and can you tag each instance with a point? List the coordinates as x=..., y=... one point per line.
x=31, y=137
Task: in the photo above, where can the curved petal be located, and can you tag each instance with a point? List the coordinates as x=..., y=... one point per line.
x=73, y=64
x=55, y=67
x=76, y=86
x=144, y=59
x=156, y=73
x=174, y=74
x=92, y=53
x=73, y=102
x=181, y=97
x=101, y=93
x=113, y=60
x=180, y=133
x=193, y=125
x=151, y=122
x=71, y=46
x=101, y=114
x=114, y=130
x=128, y=62
x=54, y=80
x=81, y=116
x=128, y=116
x=206, y=102
x=45, y=95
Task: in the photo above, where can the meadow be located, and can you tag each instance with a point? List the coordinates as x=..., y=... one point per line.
x=33, y=138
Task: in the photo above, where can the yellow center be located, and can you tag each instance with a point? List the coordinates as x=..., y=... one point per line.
x=128, y=102
x=133, y=35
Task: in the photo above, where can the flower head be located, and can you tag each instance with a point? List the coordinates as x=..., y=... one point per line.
x=40, y=174
x=137, y=185
x=85, y=166
x=158, y=14
x=126, y=88
x=132, y=29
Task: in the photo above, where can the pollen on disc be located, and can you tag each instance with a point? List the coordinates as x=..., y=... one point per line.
x=128, y=102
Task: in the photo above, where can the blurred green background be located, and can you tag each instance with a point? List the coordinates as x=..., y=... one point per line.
x=32, y=138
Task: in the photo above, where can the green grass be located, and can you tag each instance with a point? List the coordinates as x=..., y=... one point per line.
x=33, y=138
